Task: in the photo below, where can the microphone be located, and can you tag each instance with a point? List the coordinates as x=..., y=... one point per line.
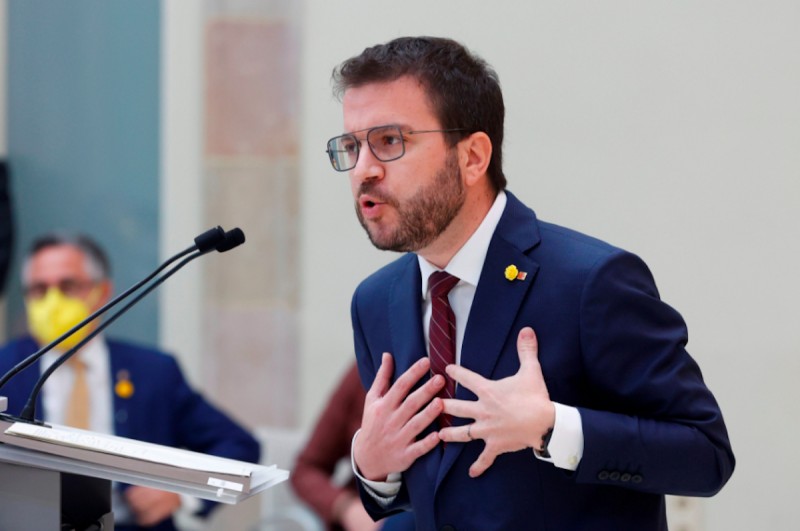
x=233, y=238
x=213, y=239
x=209, y=239
x=204, y=243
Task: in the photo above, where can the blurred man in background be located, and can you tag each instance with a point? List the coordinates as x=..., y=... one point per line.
x=111, y=386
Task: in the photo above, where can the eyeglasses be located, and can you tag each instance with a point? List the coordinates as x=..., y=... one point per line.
x=70, y=287
x=385, y=141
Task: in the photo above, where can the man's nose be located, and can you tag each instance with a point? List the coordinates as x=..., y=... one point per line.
x=367, y=167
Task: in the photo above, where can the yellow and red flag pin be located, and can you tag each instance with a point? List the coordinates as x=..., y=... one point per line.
x=512, y=273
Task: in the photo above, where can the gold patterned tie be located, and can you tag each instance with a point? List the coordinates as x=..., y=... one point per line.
x=77, y=414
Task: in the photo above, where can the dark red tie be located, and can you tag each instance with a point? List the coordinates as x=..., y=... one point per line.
x=442, y=333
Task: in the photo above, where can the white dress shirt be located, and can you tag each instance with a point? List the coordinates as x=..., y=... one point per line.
x=57, y=389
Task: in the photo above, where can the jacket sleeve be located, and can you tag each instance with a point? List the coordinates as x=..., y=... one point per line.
x=368, y=363
x=650, y=423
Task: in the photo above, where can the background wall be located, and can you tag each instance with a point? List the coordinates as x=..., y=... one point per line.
x=83, y=135
x=668, y=128
x=3, y=143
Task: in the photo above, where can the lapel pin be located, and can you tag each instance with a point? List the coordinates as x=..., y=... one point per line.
x=124, y=387
x=512, y=273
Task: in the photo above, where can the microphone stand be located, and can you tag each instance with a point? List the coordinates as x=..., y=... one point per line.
x=29, y=411
x=213, y=239
x=204, y=242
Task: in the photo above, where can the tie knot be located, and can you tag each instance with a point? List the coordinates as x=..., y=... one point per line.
x=441, y=282
x=76, y=363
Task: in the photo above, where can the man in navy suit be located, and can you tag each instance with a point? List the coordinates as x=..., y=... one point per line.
x=133, y=391
x=576, y=405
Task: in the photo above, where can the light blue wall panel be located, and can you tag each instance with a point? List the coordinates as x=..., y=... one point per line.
x=83, y=135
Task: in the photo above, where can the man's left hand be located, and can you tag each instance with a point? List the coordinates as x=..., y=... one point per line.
x=151, y=506
x=510, y=414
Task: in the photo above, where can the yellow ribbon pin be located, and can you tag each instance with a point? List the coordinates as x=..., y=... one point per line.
x=512, y=273
x=124, y=387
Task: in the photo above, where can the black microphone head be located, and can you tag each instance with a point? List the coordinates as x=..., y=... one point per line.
x=210, y=239
x=233, y=238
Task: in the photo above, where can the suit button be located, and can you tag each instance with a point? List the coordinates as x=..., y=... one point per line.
x=636, y=478
x=625, y=477
x=447, y=528
x=614, y=476
x=603, y=475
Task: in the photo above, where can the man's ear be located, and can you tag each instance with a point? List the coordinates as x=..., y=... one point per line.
x=475, y=152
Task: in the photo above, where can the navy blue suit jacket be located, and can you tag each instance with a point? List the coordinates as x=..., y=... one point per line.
x=607, y=345
x=163, y=409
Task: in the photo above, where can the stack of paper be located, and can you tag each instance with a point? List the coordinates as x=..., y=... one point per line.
x=120, y=459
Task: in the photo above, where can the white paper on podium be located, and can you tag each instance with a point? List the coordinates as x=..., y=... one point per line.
x=111, y=444
x=206, y=476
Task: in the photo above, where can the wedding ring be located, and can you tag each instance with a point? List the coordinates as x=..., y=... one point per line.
x=469, y=429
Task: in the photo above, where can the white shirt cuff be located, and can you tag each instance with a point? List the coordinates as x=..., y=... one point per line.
x=566, y=443
x=383, y=492
x=186, y=516
x=190, y=504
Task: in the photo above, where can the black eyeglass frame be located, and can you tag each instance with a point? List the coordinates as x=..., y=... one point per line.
x=357, y=143
x=70, y=287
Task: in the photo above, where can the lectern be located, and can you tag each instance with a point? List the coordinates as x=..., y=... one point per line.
x=34, y=496
x=54, y=475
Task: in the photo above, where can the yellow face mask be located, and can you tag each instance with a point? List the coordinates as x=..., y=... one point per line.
x=53, y=315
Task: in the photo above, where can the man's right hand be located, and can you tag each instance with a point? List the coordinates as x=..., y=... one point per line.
x=394, y=417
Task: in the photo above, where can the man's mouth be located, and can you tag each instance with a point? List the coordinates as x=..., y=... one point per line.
x=370, y=206
x=368, y=201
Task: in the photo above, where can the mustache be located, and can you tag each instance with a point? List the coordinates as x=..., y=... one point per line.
x=371, y=188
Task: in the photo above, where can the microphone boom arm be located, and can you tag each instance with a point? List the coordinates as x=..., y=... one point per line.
x=211, y=239
x=29, y=411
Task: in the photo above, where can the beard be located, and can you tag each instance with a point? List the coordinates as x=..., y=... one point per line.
x=424, y=216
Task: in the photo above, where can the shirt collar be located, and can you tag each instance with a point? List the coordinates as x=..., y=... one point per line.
x=92, y=354
x=467, y=263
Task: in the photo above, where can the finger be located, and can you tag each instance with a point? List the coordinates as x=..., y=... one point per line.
x=421, y=420
x=463, y=434
x=423, y=396
x=481, y=464
x=467, y=409
x=423, y=446
x=382, y=378
x=402, y=386
x=527, y=346
x=465, y=377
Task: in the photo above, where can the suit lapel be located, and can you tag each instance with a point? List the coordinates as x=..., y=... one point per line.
x=497, y=303
x=405, y=317
x=494, y=309
x=120, y=407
